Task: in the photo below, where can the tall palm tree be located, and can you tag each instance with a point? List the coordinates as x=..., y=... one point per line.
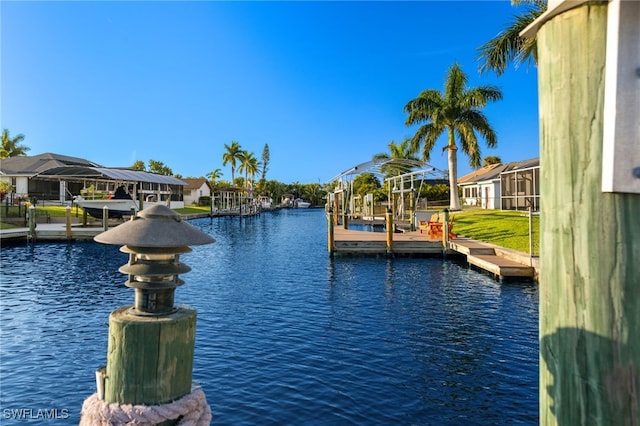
x=11, y=146
x=456, y=111
x=231, y=157
x=496, y=54
x=249, y=164
x=266, y=156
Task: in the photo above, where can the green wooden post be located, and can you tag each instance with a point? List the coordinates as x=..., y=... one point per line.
x=67, y=214
x=331, y=239
x=445, y=231
x=412, y=209
x=105, y=218
x=345, y=209
x=389, y=226
x=590, y=240
x=32, y=221
x=149, y=358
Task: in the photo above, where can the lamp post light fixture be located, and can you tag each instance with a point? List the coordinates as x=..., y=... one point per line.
x=151, y=344
x=154, y=240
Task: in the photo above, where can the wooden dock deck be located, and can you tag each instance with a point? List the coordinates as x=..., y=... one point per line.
x=348, y=241
x=50, y=232
x=501, y=262
x=481, y=255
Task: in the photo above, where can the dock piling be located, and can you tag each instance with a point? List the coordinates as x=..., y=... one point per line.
x=31, y=214
x=331, y=238
x=67, y=215
x=389, y=228
x=151, y=344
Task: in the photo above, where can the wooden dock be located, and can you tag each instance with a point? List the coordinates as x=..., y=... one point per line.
x=50, y=232
x=347, y=241
x=500, y=262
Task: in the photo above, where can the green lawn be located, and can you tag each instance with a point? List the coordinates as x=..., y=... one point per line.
x=508, y=229
x=193, y=210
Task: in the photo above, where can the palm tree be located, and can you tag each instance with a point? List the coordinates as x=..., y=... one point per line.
x=249, y=164
x=508, y=46
x=231, y=157
x=491, y=159
x=400, y=150
x=265, y=161
x=11, y=146
x=214, y=175
x=457, y=111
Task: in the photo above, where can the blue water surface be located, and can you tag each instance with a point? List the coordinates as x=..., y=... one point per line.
x=285, y=334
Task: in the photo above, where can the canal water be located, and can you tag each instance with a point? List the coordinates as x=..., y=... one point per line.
x=285, y=334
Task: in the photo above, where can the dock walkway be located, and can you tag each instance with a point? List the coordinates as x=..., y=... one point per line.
x=503, y=263
x=50, y=232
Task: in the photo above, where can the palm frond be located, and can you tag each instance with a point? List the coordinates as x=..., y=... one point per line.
x=455, y=84
x=508, y=47
x=469, y=143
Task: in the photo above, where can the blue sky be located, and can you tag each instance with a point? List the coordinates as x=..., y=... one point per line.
x=323, y=83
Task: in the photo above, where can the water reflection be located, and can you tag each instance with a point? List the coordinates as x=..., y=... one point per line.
x=285, y=333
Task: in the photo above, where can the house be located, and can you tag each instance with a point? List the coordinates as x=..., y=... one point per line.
x=520, y=185
x=482, y=187
x=58, y=178
x=196, y=188
x=20, y=172
x=512, y=186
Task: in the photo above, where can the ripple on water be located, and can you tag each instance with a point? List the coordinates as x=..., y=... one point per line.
x=285, y=335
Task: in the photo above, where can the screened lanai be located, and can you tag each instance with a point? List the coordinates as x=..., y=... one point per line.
x=520, y=187
x=98, y=182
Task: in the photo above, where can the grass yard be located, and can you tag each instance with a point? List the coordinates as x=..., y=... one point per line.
x=509, y=229
x=193, y=210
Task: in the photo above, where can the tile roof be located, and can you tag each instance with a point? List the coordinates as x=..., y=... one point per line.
x=194, y=183
x=493, y=171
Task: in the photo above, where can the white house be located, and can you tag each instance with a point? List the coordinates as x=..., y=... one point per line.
x=194, y=189
x=482, y=187
x=512, y=186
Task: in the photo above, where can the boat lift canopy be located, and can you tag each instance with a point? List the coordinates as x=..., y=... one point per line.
x=400, y=174
x=381, y=167
x=105, y=173
x=149, y=186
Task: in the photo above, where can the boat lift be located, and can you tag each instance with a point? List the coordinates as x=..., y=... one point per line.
x=401, y=185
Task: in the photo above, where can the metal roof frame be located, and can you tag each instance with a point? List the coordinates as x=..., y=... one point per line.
x=128, y=175
x=409, y=167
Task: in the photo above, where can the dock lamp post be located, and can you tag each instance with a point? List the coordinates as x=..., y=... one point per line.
x=148, y=375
